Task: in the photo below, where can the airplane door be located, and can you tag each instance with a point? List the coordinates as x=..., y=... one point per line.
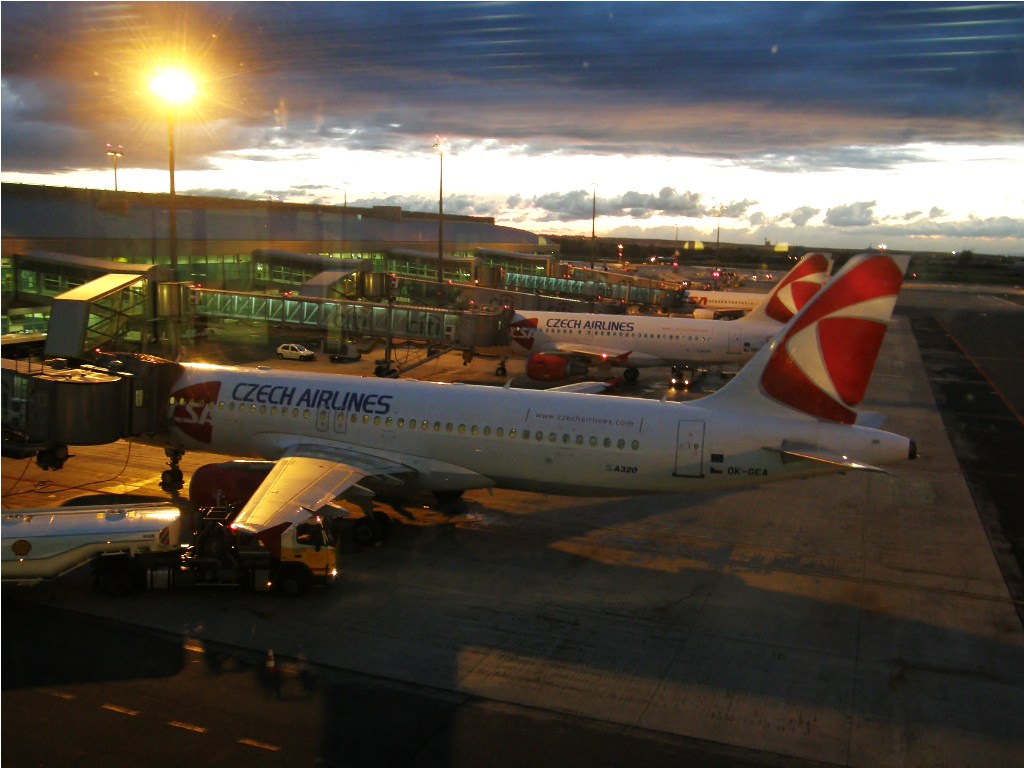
x=340, y=421
x=323, y=420
x=689, y=449
x=735, y=346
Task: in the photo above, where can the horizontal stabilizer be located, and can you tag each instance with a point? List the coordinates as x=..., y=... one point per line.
x=811, y=453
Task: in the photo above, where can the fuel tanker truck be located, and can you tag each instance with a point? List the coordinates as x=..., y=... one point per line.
x=142, y=546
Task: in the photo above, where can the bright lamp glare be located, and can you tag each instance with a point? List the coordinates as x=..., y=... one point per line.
x=173, y=86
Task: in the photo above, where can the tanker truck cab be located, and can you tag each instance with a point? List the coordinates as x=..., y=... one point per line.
x=311, y=545
x=286, y=558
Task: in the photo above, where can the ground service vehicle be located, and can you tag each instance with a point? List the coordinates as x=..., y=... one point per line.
x=141, y=546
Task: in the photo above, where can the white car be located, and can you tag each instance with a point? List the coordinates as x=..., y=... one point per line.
x=295, y=352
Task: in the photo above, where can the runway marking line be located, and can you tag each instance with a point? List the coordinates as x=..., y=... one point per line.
x=259, y=745
x=59, y=694
x=186, y=726
x=120, y=710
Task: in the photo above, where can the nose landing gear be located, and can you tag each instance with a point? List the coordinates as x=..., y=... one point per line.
x=52, y=458
x=172, y=480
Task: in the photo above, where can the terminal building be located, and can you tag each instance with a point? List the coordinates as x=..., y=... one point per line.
x=250, y=244
x=56, y=240
x=271, y=264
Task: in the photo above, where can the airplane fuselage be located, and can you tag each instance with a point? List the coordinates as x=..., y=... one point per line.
x=644, y=341
x=534, y=440
x=723, y=300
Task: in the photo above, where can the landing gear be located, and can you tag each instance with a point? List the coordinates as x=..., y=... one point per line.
x=52, y=458
x=172, y=480
x=366, y=531
x=372, y=529
x=501, y=370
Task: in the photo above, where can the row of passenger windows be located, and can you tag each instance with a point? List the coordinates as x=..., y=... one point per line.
x=424, y=425
x=621, y=334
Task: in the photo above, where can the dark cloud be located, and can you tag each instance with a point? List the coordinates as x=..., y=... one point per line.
x=791, y=85
x=801, y=215
x=853, y=215
x=785, y=88
x=568, y=206
x=834, y=158
x=580, y=205
x=999, y=234
x=991, y=235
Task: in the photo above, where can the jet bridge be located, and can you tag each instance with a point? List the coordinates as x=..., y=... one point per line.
x=96, y=313
x=344, y=320
x=46, y=407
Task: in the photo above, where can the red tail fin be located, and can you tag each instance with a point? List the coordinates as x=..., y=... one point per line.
x=820, y=363
x=794, y=290
x=823, y=362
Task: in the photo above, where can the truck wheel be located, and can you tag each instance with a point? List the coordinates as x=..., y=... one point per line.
x=383, y=523
x=293, y=582
x=364, y=531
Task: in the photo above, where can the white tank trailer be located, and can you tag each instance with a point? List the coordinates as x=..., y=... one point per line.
x=41, y=544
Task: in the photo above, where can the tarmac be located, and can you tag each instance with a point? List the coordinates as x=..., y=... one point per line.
x=856, y=619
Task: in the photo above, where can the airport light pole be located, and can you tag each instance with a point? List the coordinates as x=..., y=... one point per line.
x=344, y=212
x=114, y=153
x=718, y=235
x=593, y=225
x=173, y=87
x=440, y=146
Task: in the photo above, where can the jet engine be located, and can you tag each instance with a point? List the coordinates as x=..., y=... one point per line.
x=547, y=367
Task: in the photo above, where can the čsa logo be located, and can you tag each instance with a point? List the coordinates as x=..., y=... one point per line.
x=190, y=409
x=522, y=332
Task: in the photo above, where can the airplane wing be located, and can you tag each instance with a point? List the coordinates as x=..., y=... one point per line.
x=307, y=478
x=595, y=354
x=589, y=387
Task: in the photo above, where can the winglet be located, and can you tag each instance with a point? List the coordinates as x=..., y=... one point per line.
x=820, y=363
x=794, y=291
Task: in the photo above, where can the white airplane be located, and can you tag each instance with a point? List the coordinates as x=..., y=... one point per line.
x=563, y=344
x=791, y=412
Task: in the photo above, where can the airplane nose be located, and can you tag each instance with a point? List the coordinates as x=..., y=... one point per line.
x=913, y=450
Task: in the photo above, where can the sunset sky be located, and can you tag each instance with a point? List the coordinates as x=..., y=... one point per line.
x=819, y=124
